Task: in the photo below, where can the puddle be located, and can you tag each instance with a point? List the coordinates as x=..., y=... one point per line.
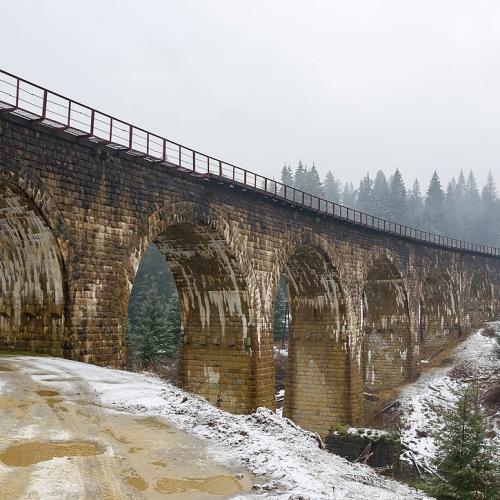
x=54, y=401
x=116, y=436
x=214, y=485
x=47, y=393
x=26, y=454
x=159, y=463
x=136, y=481
x=152, y=423
x=135, y=449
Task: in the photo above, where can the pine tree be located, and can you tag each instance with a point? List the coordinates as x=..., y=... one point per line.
x=365, y=201
x=171, y=340
x=460, y=212
x=300, y=176
x=397, y=208
x=465, y=459
x=434, y=209
x=313, y=183
x=332, y=187
x=286, y=179
x=450, y=206
x=153, y=267
x=490, y=233
x=380, y=196
x=349, y=195
x=280, y=310
x=415, y=206
x=472, y=213
x=287, y=175
x=149, y=334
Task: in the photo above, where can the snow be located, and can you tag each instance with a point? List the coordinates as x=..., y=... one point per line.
x=476, y=357
x=286, y=460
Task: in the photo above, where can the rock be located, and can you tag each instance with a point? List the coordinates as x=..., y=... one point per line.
x=373, y=447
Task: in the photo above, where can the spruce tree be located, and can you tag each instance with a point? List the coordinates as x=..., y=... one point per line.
x=332, y=188
x=472, y=213
x=313, y=183
x=365, y=201
x=172, y=338
x=349, y=195
x=397, y=208
x=380, y=196
x=490, y=233
x=450, y=206
x=434, y=209
x=415, y=206
x=153, y=267
x=465, y=459
x=286, y=179
x=300, y=176
x=280, y=310
x=460, y=213
x=287, y=175
x=149, y=336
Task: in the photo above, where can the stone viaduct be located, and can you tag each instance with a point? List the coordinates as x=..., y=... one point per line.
x=77, y=212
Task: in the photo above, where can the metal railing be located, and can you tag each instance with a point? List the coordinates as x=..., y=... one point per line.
x=35, y=103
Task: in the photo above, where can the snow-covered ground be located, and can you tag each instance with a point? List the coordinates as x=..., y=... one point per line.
x=286, y=460
x=475, y=358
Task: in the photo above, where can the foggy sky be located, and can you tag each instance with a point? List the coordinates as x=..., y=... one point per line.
x=351, y=85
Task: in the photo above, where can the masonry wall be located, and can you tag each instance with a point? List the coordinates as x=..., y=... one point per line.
x=104, y=208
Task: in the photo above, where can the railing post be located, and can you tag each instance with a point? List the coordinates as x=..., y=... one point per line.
x=17, y=93
x=111, y=130
x=44, y=106
x=164, y=150
x=220, y=168
x=130, y=134
x=92, y=121
x=69, y=113
x=180, y=156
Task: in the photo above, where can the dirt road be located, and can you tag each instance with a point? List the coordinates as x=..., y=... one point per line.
x=58, y=441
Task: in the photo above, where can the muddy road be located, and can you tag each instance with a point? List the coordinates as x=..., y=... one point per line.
x=58, y=441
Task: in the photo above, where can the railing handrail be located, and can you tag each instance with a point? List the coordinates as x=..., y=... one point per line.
x=140, y=142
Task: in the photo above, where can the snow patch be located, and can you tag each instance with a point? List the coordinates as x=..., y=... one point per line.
x=280, y=454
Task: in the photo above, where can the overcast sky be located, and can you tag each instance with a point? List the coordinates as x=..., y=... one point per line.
x=352, y=85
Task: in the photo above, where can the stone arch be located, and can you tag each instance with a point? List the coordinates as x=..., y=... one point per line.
x=219, y=335
x=34, y=261
x=439, y=313
x=317, y=387
x=386, y=326
x=15, y=175
x=480, y=299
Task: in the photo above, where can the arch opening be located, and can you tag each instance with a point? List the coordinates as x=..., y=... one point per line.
x=153, y=319
x=439, y=313
x=317, y=374
x=215, y=329
x=281, y=334
x=32, y=284
x=386, y=328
